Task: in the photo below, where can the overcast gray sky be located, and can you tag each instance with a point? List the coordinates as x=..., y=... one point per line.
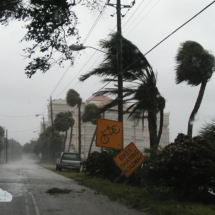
x=146, y=24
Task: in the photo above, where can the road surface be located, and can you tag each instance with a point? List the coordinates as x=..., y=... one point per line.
x=27, y=183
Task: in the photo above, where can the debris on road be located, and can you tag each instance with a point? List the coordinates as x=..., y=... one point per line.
x=58, y=191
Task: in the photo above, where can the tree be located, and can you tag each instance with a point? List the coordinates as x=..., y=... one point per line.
x=44, y=144
x=145, y=96
x=195, y=65
x=72, y=122
x=62, y=123
x=207, y=131
x=73, y=98
x=91, y=113
x=50, y=25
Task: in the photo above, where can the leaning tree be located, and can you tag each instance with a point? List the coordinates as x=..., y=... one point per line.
x=195, y=65
x=73, y=98
x=62, y=123
x=91, y=113
x=144, y=95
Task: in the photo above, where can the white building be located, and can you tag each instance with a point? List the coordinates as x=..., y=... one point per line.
x=132, y=132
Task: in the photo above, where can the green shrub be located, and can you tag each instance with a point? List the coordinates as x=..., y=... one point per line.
x=101, y=164
x=187, y=165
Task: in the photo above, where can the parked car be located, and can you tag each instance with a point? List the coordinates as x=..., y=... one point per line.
x=68, y=160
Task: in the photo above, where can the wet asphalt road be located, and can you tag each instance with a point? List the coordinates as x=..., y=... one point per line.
x=28, y=182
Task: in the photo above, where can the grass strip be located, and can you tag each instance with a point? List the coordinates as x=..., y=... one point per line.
x=137, y=197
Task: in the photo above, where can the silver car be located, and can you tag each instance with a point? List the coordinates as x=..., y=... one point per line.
x=68, y=160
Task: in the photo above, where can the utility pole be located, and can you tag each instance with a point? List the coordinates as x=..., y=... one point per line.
x=119, y=57
x=6, y=146
x=52, y=127
x=119, y=64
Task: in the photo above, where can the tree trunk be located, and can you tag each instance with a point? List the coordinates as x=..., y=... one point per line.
x=161, y=126
x=152, y=119
x=195, y=109
x=70, y=139
x=79, y=128
x=65, y=142
x=92, y=142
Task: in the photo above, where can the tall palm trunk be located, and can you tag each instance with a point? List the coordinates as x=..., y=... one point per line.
x=152, y=119
x=70, y=139
x=161, y=126
x=195, y=109
x=65, y=142
x=92, y=142
x=79, y=128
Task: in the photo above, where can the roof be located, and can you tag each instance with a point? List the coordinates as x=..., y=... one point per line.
x=100, y=99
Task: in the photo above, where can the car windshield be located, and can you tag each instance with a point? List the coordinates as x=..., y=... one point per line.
x=74, y=157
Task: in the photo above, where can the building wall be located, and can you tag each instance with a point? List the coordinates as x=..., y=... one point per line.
x=133, y=132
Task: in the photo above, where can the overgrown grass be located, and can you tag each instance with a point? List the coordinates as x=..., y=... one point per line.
x=136, y=197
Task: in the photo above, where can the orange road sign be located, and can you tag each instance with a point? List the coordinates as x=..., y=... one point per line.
x=129, y=159
x=109, y=134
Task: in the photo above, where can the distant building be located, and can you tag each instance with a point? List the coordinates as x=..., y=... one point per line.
x=132, y=132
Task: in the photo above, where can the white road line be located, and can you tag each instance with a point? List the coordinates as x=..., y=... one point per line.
x=26, y=206
x=35, y=205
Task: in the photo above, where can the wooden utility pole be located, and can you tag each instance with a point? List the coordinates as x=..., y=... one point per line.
x=119, y=62
x=119, y=57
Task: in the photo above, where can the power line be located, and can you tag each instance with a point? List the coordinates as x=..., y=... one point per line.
x=159, y=43
x=24, y=130
x=143, y=17
x=86, y=38
x=134, y=13
x=18, y=116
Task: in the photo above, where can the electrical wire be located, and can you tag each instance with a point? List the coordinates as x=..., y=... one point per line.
x=156, y=45
x=143, y=17
x=18, y=116
x=24, y=130
x=86, y=38
x=139, y=7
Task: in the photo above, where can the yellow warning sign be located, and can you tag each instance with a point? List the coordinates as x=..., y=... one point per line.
x=129, y=159
x=109, y=134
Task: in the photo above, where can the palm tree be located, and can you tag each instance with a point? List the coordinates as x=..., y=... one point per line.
x=91, y=113
x=136, y=70
x=72, y=122
x=73, y=98
x=62, y=123
x=146, y=103
x=195, y=65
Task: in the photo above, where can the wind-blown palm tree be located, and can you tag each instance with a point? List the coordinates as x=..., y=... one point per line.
x=72, y=122
x=195, y=65
x=73, y=98
x=91, y=113
x=138, y=71
x=62, y=123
